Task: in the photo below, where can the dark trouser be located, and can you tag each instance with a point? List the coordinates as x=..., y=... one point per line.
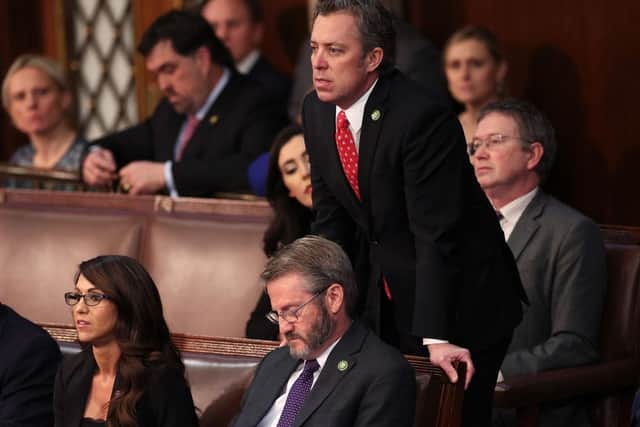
x=478, y=398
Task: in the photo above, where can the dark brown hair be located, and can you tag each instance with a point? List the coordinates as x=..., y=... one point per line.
x=290, y=218
x=141, y=330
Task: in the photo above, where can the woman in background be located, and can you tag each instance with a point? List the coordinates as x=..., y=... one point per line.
x=130, y=373
x=476, y=70
x=36, y=96
x=289, y=194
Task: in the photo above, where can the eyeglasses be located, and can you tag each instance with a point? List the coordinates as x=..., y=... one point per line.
x=90, y=298
x=292, y=315
x=490, y=141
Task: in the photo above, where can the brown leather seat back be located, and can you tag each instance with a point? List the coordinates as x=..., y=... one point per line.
x=41, y=252
x=620, y=334
x=207, y=273
x=620, y=337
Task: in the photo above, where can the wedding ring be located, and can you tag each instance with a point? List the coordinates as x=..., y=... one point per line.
x=125, y=187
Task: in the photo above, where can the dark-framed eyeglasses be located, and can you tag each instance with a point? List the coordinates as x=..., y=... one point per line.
x=90, y=298
x=490, y=142
x=293, y=314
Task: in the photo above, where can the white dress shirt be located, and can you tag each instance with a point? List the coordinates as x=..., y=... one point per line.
x=273, y=416
x=245, y=66
x=355, y=114
x=512, y=211
x=213, y=95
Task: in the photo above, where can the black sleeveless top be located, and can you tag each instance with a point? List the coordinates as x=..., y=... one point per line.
x=90, y=422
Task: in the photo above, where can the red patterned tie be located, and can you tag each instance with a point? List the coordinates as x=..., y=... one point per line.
x=349, y=159
x=187, y=133
x=347, y=151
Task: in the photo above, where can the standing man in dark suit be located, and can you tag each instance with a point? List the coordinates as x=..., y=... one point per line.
x=29, y=360
x=416, y=56
x=388, y=161
x=559, y=252
x=333, y=371
x=239, y=25
x=204, y=134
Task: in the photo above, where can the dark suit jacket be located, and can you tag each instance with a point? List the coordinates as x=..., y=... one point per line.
x=239, y=126
x=416, y=57
x=165, y=402
x=432, y=233
x=377, y=389
x=635, y=411
x=276, y=84
x=29, y=359
x=561, y=259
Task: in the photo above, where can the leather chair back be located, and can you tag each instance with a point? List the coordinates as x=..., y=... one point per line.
x=40, y=253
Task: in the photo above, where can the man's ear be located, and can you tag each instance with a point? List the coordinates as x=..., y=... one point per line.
x=536, y=151
x=203, y=59
x=334, y=297
x=258, y=34
x=374, y=58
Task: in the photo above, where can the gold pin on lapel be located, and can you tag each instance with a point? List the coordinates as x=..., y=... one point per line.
x=343, y=365
x=375, y=116
x=213, y=119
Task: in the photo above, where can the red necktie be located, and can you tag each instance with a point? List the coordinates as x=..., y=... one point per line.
x=187, y=133
x=349, y=159
x=347, y=152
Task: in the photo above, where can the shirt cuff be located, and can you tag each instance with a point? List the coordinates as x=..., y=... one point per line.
x=428, y=341
x=168, y=178
x=500, y=377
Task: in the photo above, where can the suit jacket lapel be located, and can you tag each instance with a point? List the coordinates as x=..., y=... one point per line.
x=215, y=114
x=374, y=114
x=168, y=140
x=527, y=225
x=271, y=390
x=78, y=390
x=345, y=351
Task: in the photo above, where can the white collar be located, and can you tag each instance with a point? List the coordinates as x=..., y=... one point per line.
x=213, y=95
x=322, y=358
x=356, y=111
x=513, y=210
x=245, y=65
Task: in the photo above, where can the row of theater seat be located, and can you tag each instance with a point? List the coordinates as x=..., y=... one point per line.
x=205, y=256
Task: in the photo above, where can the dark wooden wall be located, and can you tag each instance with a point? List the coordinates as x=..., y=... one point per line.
x=578, y=62
x=22, y=19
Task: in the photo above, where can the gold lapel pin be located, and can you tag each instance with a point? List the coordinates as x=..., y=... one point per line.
x=343, y=365
x=375, y=116
x=213, y=119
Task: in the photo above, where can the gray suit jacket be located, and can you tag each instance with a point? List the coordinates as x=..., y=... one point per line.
x=376, y=389
x=561, y=260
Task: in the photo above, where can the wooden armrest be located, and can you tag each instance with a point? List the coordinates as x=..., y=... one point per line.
x=559, y=384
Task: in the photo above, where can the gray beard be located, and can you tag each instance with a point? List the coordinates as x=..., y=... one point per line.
x=320, y=333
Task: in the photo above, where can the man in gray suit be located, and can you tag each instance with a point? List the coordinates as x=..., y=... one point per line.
x=559, y=252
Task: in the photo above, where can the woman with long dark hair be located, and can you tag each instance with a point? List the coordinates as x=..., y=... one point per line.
x=289, y=194
x=129, y=373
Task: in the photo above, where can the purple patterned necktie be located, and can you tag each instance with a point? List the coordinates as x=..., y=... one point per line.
x=298, y=394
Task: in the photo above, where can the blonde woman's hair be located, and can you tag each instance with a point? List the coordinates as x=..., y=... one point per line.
x=47, y=65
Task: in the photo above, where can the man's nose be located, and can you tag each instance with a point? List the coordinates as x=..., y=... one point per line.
x=318, y=60
x=222, y=32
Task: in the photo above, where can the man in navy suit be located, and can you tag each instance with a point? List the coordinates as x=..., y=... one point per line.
x=238, y=24
x=352, y=378
x=29, y=360
x=389, y=161
x=212, y=123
